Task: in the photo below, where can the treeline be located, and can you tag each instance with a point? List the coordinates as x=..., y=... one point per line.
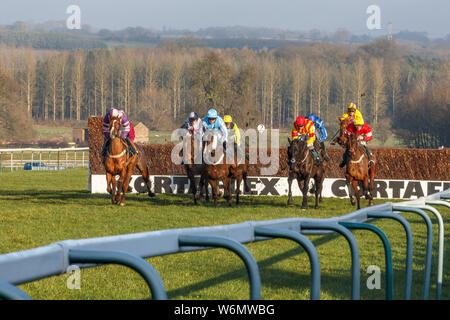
x=48, y=40
x=160, y=86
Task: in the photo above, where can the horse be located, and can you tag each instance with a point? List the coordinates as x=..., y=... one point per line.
x=302, y=167
x=357, y=170
x=239, y=173
x=342, y=138
x=192, y=168
x=216, y=171
x=118, y=162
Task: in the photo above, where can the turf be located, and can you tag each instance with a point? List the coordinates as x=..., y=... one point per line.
x=39, y=208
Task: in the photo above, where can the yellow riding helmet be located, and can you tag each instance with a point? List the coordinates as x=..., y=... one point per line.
x=227, y=118
x=352, y=106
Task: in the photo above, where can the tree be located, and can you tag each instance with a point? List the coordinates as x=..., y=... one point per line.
x=211, y=82
x=15, y=123
x=378, y=84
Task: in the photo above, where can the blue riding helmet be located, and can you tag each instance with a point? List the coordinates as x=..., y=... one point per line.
x=212, y=114
x=312, y=117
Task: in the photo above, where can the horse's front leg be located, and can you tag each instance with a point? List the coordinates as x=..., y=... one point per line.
x=351, y=193
x=238, y=188
x=290, y=200
x=121, y=188
x=304, y=191
x=318, y=192
x=227, y=190
x=212, y=182
x=193, y=185
x=109, y=178
x=204, y=184
x=355, y=188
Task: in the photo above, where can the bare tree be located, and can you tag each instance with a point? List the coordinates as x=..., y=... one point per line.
x=378, y=85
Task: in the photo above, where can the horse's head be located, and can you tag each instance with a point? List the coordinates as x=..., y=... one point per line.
x=296, y=152
x=114, y=126
x=352, y=144
x=191, y=144
x=343, y=124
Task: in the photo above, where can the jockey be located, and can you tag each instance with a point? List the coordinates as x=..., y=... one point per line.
x=321, y=133
x=353, y=113
x=127, y=135
x=304, y=126
x=193, y=124
x=365, y=135
x=212, y=121
x=231, y=125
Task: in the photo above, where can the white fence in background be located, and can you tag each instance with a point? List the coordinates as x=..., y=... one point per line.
x=43, y=159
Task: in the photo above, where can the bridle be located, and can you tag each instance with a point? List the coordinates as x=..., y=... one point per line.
x=113, y=134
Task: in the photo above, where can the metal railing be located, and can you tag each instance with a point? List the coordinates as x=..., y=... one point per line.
x=38, y=263
x=43, y=159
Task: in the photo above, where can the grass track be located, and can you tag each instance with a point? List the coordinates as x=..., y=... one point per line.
x=39, y=208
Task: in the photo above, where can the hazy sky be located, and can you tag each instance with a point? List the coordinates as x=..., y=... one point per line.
x=431, y=16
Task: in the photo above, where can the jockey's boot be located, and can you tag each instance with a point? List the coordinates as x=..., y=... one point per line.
x=344, y=160
x=325, y=153
x=105, y=147
x=369, y=155
x=131, y=147
x=316, y=157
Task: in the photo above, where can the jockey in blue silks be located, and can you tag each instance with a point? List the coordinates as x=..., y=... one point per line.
x=213, y=121
x=321, y=133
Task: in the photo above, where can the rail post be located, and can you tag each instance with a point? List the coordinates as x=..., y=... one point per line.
x=429, y=246
x=123, y=258
x=10, y=292
x=306, y=244
x=333, y=226
x=236, y=247
x=387, y=252
x=409, y=245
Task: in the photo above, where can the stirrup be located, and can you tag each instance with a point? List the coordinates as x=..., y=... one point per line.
x=371, y=163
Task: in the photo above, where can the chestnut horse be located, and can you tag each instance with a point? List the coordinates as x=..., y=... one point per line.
x=239, y=173
x=216, y=169
x=303, y=168
x=118, y=162
x=357, y=170
x=194, y=168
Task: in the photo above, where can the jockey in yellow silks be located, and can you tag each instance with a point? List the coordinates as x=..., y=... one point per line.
x=306, y=127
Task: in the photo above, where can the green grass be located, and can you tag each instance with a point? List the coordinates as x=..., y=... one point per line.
x=39, y=208
x=48, y=132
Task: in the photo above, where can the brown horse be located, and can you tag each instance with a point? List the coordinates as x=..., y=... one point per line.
x=357, y=170
x=341, y=139
x=303, y=168
x=239, y=173
x=193, y=167
x=216, y=169
x=118, y=162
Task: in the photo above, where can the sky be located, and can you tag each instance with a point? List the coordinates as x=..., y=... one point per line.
x=431, y=16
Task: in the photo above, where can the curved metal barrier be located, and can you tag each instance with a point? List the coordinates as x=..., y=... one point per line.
x=38, y=263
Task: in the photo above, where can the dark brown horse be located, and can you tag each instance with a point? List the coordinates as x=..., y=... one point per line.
x=118, y=162
x=194, y=165
x=238, y=172
x=216, y=169
x=358, y=171
x=303, y=168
